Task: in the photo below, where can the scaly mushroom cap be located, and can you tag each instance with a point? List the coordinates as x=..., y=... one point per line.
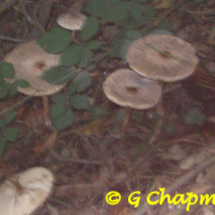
x=74, y=21
x=25, y=192
x=30, y=61
x=162, y=57
x=126, y=88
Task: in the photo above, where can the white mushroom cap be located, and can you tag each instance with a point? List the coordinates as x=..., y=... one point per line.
x=30, y=61
x=74, y=21
x=35, y=185
x=126, y=88
x=162, y=57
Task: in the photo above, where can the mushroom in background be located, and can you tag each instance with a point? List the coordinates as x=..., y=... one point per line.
x=162, y=57
x=126, y=88
x=25, y=192
x=30, y=61
x=73, y=21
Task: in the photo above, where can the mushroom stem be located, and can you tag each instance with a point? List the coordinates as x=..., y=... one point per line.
x=47, y=119
x=126, y=118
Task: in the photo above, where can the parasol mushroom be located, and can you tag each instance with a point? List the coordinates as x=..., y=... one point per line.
x=162, y=57
x=25, y=192
x=73, y=21
x=30, y=61
x=126, y=88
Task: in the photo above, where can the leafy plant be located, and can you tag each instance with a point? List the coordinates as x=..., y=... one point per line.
x=66, y=104
x=7, y=133
x=194, y=116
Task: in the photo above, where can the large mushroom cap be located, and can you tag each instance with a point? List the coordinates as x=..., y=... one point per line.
x=30, y=61
x=74, y=21
x=25, y=192
x=126, y=88
x=162, y=57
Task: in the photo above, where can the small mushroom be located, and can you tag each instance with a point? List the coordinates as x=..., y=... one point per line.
x=73, y=21
x=30, y=61
x=162, y=57
x=126, y=88
x=25, y=192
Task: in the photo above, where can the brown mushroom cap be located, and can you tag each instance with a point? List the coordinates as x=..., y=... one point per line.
x=30, y=61
x=162, y=57
x=74, y=21
x=25, y=192
x=126, y=88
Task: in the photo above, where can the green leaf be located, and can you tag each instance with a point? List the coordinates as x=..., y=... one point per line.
x=22, y=83
x=84, y=81
x=4, y=90
x=116, y=13
x=79, y=102
x=136, y=10
x=90, y=29
x=9, y=117
x=57, y=109
x=10, y=134
x=60, y=98
x=71, y=55
x=65, y=120
x=134, y=34
x=99, y=112
x=198, y=1
x=72, y=88
x=194, y=116
x=99, y=7
x=86, y=56
x=55, y=40
x=13, y=89
x=149, y=12
x=2, y=146
x=155, y=32
x=59, y=75
x=7, y=70
x=92, y=44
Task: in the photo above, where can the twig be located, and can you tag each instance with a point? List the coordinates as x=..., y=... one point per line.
x=75, y=160
x=181, y=181
x=32, y=21
x=16, y=40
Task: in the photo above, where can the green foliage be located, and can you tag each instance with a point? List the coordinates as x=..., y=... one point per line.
x=64, y=120
x=65, y=104
x=122, y=41
x=76, y=54
x=90, y=29
x=59, y=75
x=71, y=55
x=4, y=90
x=10, y=134
x=55, y=40
x=99, y=112
x=7, y=133
x=198, y=1
x=92, y=44
x=194, y=116
x=7, y=70
x=79, y=102
x=21, y=83
x=127, y=14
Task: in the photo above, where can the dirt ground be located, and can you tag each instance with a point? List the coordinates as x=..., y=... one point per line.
x=171, y=145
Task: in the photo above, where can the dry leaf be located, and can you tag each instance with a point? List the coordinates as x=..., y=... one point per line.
x=164, y=4
x=119, y=209
x=48, y=143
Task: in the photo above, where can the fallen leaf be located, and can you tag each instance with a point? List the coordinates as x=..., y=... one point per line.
x=163, y=4
x=48, y=143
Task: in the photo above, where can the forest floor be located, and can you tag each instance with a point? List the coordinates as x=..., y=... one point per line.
x=171, y=145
